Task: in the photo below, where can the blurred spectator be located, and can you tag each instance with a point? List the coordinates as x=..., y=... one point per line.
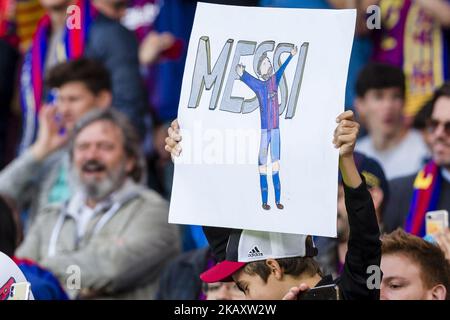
x=140, y=17
x=415, y=36
x=44, y=285
x=362, y=44
x=381, y=91
x=413, y=269
x=332, y=251
x=114, y=230
x=40, y=175
x=429, y=189
x=58, y=38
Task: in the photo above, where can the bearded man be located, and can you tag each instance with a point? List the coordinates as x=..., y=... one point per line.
x=111, y=239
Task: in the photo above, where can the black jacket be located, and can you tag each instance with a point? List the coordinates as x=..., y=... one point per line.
x=400, y=201
x=364, y=246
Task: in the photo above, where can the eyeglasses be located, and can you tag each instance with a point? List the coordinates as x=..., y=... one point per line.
x=433, y=124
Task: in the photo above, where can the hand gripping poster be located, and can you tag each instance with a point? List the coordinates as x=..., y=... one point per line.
x=261, y=91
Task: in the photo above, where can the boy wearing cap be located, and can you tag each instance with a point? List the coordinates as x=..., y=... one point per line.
x=279, y=266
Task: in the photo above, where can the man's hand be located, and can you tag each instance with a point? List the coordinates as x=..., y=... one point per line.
x=153, y=45
x=345, y=139
x=172, y=141
x=294, y=51
x=443, y=240
x=295, y=291
x=49, y=138
x=240, y=68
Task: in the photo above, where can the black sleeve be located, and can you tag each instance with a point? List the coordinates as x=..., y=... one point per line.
x=364, y=245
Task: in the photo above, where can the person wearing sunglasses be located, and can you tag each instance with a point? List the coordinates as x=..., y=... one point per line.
x=414, y=195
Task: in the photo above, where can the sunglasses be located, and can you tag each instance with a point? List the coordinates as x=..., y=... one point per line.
x=433, y=124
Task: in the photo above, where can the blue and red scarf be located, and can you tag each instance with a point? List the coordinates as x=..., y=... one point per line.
x=73, y=42
x=425, y=198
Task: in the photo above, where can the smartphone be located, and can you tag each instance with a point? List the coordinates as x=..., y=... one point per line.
x=328, y=292
x=20, y=291
x=436, y=222
x=52, y=97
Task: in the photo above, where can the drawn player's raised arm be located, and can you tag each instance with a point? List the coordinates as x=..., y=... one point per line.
x=240, y=68
x=294, y=51
x=280, y=71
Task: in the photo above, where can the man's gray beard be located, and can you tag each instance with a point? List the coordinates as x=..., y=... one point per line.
x=99, y=190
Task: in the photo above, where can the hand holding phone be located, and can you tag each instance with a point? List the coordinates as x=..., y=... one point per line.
x=436, y=222
x=327, y=292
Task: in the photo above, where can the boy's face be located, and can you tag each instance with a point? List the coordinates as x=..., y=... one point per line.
x=255, y=288
x=74, y=100
x=382, y=110
x=402, y=279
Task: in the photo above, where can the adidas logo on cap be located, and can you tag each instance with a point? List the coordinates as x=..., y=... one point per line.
x=255, y=252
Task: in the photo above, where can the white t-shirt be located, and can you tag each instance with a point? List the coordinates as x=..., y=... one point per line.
x=401, y=160
x=82, y=213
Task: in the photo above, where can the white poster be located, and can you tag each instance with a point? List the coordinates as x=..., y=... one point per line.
x=262, y=88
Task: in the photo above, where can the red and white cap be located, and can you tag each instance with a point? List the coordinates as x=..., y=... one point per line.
x=246, y=246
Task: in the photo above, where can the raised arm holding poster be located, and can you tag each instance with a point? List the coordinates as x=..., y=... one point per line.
x=261, y=90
